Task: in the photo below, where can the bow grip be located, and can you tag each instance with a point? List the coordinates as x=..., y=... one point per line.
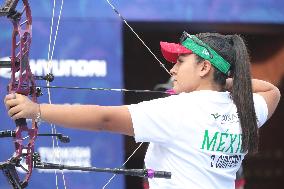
x=21, y=122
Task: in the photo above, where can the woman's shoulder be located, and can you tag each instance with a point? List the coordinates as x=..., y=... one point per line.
x=208, y=95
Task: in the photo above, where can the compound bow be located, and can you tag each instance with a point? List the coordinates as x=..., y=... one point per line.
x=23, y=82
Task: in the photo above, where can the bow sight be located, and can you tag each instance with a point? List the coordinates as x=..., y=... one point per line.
x=23, y=82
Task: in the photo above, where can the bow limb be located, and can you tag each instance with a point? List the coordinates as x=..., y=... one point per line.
x=22, y=82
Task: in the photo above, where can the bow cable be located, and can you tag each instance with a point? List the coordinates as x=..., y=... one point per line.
x=137, y=36
x=161, y=64
x=49, y=68
x=129, y=157
x=123, y=90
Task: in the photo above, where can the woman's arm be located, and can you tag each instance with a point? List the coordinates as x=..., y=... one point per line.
x=88, y=117
x=268, y=91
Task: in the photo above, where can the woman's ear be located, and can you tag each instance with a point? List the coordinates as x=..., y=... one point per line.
x=205, y=68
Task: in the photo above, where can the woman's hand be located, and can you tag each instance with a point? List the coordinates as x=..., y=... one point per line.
x=229, y=84
x=20, y=106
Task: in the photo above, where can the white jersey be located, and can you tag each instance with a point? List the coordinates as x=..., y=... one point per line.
x=196, y=136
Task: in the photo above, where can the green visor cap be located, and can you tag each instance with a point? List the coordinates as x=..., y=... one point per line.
x=203, y=50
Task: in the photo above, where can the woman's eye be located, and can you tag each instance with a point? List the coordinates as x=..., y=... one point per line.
x=179, y=61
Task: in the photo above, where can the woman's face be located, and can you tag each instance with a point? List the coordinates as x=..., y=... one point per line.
x=185, y=73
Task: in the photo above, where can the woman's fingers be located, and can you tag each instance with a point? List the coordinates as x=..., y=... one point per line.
x=14, y=110
x=17, y=116
x=8, y=98
x=11, y=103
x=19, y=106
x=13, y=99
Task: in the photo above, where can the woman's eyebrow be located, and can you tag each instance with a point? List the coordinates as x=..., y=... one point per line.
x=180, y=57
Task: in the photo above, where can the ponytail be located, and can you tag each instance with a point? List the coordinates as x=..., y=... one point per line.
x=243, y=97
x=233, y=49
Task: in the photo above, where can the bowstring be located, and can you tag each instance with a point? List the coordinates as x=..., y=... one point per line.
x=137, y=36
x=50, y=57
x=49, y=68
x=161, y=65
x=122, y=165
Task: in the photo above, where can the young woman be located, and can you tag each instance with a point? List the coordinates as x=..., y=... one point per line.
x=200, y=135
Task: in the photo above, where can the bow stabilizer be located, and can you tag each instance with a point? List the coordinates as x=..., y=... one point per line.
x=23, y=82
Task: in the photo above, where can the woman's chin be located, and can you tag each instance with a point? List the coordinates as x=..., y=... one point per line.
x=176, y=90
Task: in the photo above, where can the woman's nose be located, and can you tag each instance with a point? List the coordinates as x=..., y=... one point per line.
x=173, y=71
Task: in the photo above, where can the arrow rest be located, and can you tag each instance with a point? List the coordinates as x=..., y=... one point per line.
x=25, y=84
x=48, y=77
x=38, y=91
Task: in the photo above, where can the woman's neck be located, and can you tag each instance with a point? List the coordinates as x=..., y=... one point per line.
x=210, y=86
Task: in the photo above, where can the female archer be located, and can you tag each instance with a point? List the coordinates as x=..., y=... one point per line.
x=202, y=133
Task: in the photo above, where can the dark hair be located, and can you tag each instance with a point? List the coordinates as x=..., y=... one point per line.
x=233, y=49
